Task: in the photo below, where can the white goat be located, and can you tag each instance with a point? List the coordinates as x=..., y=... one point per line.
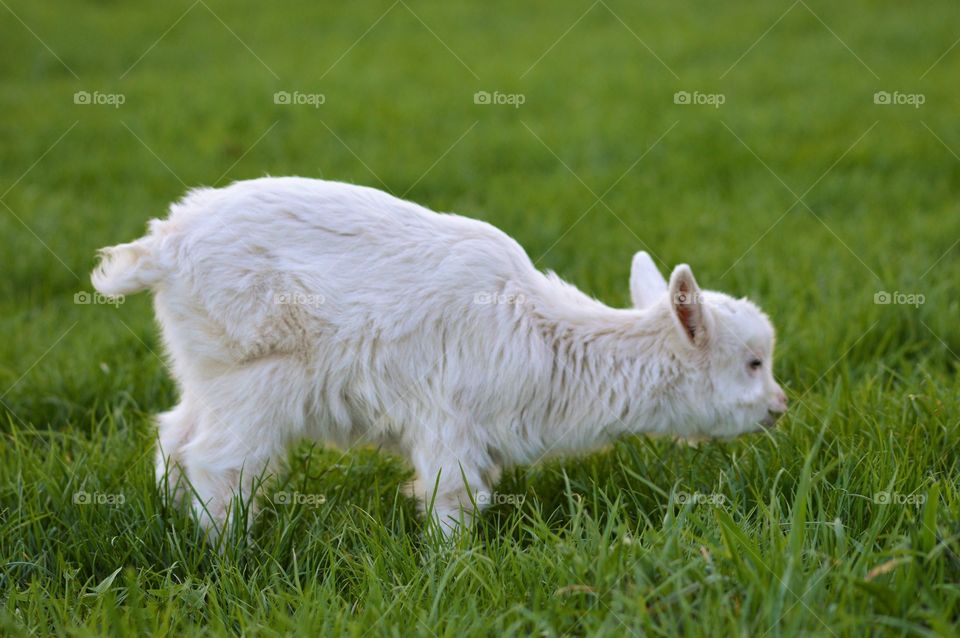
x=294, y=308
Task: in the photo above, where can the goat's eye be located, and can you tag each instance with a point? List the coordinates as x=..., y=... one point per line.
x=755, y=364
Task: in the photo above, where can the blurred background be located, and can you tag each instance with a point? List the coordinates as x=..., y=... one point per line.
x=804, y=154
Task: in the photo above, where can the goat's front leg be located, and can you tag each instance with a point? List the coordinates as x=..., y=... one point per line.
x=452, y=481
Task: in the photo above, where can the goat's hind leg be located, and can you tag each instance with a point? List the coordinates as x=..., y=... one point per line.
x=174, y=429
x=225, y=460
x=246, y=422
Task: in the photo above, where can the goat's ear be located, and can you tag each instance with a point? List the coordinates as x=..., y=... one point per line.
x=686, y=300
x=647, y=285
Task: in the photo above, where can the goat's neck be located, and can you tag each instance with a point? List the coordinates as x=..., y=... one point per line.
x=611, y=373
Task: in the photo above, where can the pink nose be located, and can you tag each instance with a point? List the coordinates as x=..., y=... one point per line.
x=781, y=404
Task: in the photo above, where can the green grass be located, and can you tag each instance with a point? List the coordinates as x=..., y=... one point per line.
x=786, y=536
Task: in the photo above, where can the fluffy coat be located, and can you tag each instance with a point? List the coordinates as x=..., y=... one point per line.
x=294, y=308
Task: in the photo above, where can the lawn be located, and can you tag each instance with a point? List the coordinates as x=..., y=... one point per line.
x=806, y=155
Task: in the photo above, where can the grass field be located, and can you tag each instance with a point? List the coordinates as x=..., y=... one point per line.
x=783, y=177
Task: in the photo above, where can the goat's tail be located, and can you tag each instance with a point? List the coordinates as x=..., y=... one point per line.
x=127, y=268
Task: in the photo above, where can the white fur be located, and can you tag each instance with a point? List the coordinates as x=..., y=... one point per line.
x=294, y=308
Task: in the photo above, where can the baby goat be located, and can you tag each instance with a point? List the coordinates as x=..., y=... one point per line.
x=295, y=308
